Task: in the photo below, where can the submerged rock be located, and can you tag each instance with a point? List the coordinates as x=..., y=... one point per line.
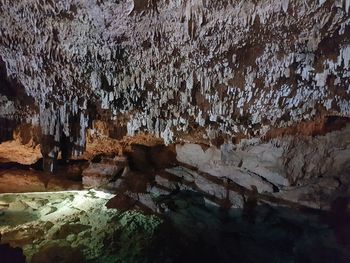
x=58, y=253
x=80, y=228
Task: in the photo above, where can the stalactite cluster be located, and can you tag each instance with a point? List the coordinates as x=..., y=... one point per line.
x=224, y=68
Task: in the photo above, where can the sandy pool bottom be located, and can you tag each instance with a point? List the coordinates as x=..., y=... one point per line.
x=73, y=225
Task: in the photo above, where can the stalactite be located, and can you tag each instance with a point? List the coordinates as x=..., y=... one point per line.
x=185, y=61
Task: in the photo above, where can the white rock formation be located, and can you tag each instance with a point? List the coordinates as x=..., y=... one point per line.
x=231, y=67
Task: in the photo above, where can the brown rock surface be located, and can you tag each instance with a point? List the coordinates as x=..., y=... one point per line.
x=22, y=181
x=14, y=151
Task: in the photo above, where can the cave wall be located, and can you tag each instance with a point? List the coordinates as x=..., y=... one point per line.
x=197, y=69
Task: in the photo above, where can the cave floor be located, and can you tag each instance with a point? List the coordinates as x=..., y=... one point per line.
x=69, y=226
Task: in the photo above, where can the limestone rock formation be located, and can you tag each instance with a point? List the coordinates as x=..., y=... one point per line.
x=227, y=98
x=105, y=172
x=207, y=70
